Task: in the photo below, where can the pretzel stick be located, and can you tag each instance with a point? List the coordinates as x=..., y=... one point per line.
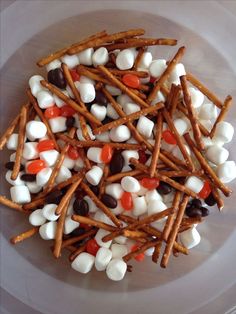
x=25, y=235
x=156, y=151
x=179, y=140
x=103, y=180
x=141, y=74
x=140, y=250
x=6, y=202
x=224, y=110
x=157, y=251
x=128, y=118
x=174, y=231
x=138, y=58
x=181, y=173
x=169, y=96
x=211, y=96
x=77, y=252
x=109, y=38
x=90, y=73
x=77, y=107
x=173, y=158
x=85, y=159
x=58, y=54
x=163, y=178
x=100, y=205
x=166, y=73
x=174, y=100
x=191, y=113
x=186, y=222
x=93, y=222
x=218, y=199
x=9, y=131
x=205, y=166
x=119, y=176
x=34, y=103
x=73, y=240
x=134, y=234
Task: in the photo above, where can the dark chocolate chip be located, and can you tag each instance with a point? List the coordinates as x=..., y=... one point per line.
x=196, y=203
x=100, y=98
x=210, y=200
x=180, y=180
x=205, y=211
x=117, y=163
x=109, y=201
x=193, y=212
x=28, y=177
x=78, y=232
x=54, y=197
x=81, y=207
x=94, y=189
x=70, y=121
x=164, y=188
x=56, y=77
x=10, y=165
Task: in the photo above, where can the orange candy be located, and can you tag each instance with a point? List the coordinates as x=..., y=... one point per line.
x=205, y=191
x=45, y=145
x=140, y=257
x=106, y=153
x=73, y=153
x=169, y=137
x=149, y=183
x=131, y=80
x=127, y=201
x=75, y=76
x=67, y=111
x=52, y=112
x=35, y=166
x=92, y=247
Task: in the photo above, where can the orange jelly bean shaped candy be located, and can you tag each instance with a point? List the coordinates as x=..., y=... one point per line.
x=150, y=183
x=205, y=191
x=35, y=166
x=131, y=80
x=52, y=112
x=140, y=257
x=127, y=201
x=45, y=145
x=92, y=247
x=73, y=153
x=67, y=111
x=75, y=76
x=169, y=137
x=106, y=153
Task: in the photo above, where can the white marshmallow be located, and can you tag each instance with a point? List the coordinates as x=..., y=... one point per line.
x=53, y=65
x=69, y=90
x=145, y=126
x=123, y=99
x=49, y=156
x=197, y=97
x=100, y=56
x=114, y=91
x=63, y=174
x=68, y=162
x=177, y=153
x=102, y=258
x=45, y=99
x=116, y=269
x=87, y=92
x=85, y=56
x=48, y=212
x=130, y=184
x=92, y=206
x=70, y=225
x=12, y=141
x=85, y=79
x=48, y=230
x=36, y=218
x=153, y=195
x=207, y=124
x=190, y=238
x=33, y=187
x=100, y=216
x=94, y=175
x=30, y=151
x=80, y=136
x=217, y=154
x=226, y=171
x=58, y=124
x=194, y=184
x=157, y=67
x=159, y=224
x=145, y=60
x=224, y=132
x=13, y=158
x=127, y=154
x=208, y=111
x=99, y=111
x=34, y=84
x=20, y=194
x=120, y=134
x=119, y=250
x=155, y=206
x=120, y=240
x=158, y=97
x=181, y=126
x=70, y=61
x=131, y=108
x=142, y=191
x=132, y=141
x=140, y=206
x=115, y=190
x=83, y=263
x=150, y=251
x=36, y=129
x=178, y=71
x=125, y=59
x=58, y=101
x=144, y=80
x=17, y=181
x=111, y=112
x=79, y=163
x=103, y=137
x=43, y=176
x=99, y=235
x=207, y=142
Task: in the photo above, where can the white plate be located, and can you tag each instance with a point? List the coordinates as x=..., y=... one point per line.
x=29, y=274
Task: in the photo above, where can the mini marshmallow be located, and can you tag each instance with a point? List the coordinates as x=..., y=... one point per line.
x=150, y=251
x=79, y=163
x=94, y=175
x=194, y=184
x=13, y=158
x=83, y=263
x=12, y=141
x=153, y=195
x=36, y=218
x=142, y=191
x=120, y=240
x=114, y=91
x=68, y=162
x=102, y=258
x=58, y=101
x=157, y=67
x=131, y=108
x=49, y=156
x=20, y=194
x=100, y=216
x=45, y=99
x=53, y=65
x=30, y=151
x=226, y=171
x=207, y=142
x=125, y=59
x=92, y=206
x=116, y=269
x=159, y=224
x=224, y=132
x=87, y=92
x=103, y=137
x=145, y=60
x=148, y=162
x=118, y=250
x=197, y=97
x=48, y=230
x=123, y=99
x=178, y=71
x=120, y=134
x=190, y=238
x=63, y=174
x=100, y=56
x=177, y=153
x=33, y=187
x=85, y=56
x=70, y=225
x=99, y=235
x=98, y=111
x=140, y=206
x=145, y=126
x=69, y=90
x=158, y=97
x=48, y=212
x=155, y=206
x=34, y=84
x=43, y=176
x=115, y=190
x=130, y=184
x=127, y=154
x=80, y=136
x=35, y=129
x=208, y=111
x=58, y=124
x=17, y=181
x=111, y=112
x=217, y=154
x=85, y=79
x=207, y=124
x=70, y=61
x=181, y=126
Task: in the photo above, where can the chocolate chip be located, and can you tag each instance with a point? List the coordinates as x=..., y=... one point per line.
x=54, y=197
x=210, y=200
x=117, y=163
x=28, y=177
x=100, y=98
x=94, y=189
x=81, y=207
x=56, y=78
x=164, y=188
x=78, y=232
x=196, y=203
x=70, y=121
x=205, y=211
x=180, y=180
x=193, y=212
x=109, y=201
x=10, y=165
